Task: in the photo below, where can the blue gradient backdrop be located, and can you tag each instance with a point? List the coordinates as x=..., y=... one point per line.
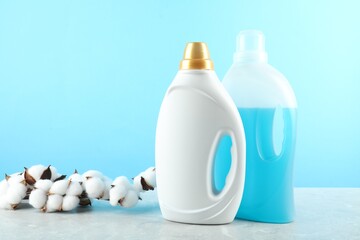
x=81, y=82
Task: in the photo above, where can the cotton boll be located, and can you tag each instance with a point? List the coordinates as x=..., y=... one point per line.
x=130, y=200
x=54, y=203
x=59, y=187
x=116, y=193
x=16, y=193
x=36, y=171
x=95, y=187
x=150, y=177
x=74, y=189
x=37, y=198
x=123, y=181
x=76, y=177
x=70, y=202
x=43, y=184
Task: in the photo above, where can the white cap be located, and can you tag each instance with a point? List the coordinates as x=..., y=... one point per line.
x=250, y=47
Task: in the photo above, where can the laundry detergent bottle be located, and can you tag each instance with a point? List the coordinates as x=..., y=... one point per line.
x=195, y=113
x=267, y=105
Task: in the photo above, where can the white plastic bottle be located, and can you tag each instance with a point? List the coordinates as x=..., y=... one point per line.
x=196, y=112
x=267, y=105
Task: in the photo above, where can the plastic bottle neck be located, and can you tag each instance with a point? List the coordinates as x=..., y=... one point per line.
x=250, y=47
x=250, y=57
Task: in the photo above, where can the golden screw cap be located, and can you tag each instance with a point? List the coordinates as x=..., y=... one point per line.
x=196, y=56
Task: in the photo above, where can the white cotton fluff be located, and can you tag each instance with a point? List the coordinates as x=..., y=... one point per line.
x=76, y=177
x=54, y=203
x=12, y=190
x=93, y=173
x=59, y=187
x=116, y=193
x=36, y=171
x=43, y=184
x=74, y=189
x=4, y=204
x=94, y=187
x=150, y=176
x=70, y=202
x=38, y=198
x=130, y=200
x=137, y=183
x=123, y=181
x=15, y=193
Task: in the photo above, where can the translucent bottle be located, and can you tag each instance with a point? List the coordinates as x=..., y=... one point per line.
x=195, y=113
x=267, y=105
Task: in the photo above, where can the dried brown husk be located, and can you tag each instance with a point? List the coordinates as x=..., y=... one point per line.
x=46, y=174
x=145, y=185
x=84, y=199
x=28, y=178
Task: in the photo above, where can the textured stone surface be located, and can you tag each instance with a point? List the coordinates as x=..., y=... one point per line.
x=322, y=213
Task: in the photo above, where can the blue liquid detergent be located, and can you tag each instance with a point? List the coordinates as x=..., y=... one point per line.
x=268, y=191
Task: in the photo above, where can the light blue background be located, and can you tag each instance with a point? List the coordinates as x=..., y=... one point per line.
x=81, y=82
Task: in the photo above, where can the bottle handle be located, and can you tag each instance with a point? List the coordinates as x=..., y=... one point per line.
x=289, y=119
x=264, y=134
x=236, y=176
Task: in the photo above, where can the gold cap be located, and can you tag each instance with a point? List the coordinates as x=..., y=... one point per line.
x=196, y=56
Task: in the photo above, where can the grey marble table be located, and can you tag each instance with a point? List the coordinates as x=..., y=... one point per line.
x=322, y=213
